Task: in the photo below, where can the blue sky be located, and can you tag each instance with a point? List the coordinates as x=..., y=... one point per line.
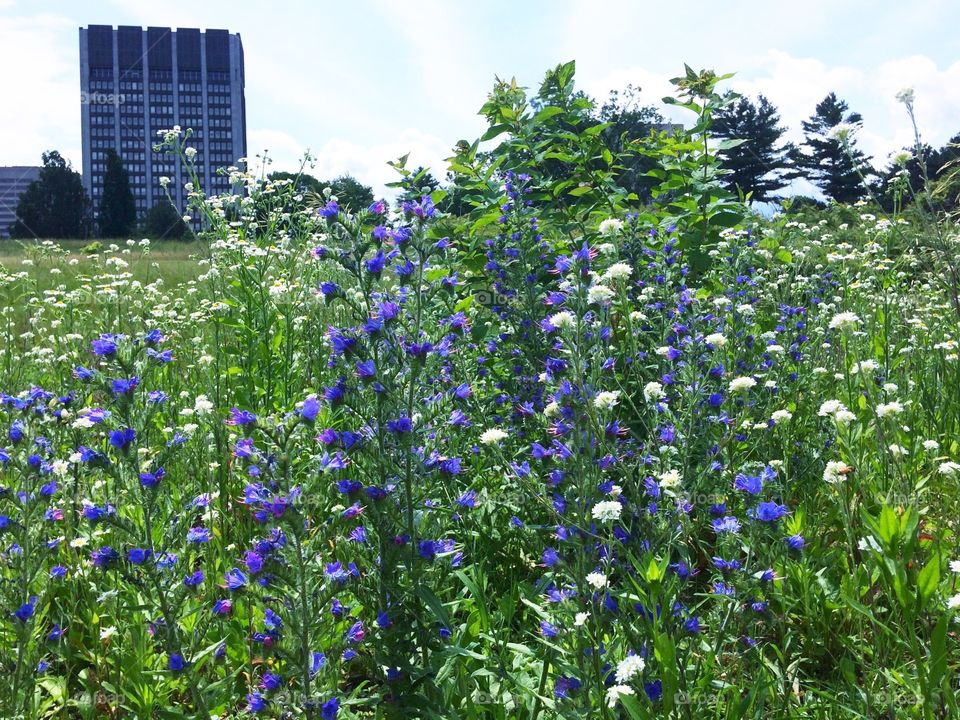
x=360, y=83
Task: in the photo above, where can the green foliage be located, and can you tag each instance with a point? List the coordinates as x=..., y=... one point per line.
x=55, y=205
x=756, y=166
x=163, y=222
x=828, y=156
x=117, y=216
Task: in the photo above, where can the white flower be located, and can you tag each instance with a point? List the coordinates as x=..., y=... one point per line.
x=948, y=468
x=599, y=294
x=865, y=366
x=841, y=132
x=716, y=339
x=164, y=181
x=653, y=391
x=618, y=271
x=830, y=407
x=190, y=152
x=615, y=691
x=835, y=471
x=629, y=668
x=844, y=416
x=844, y=320
x=888, y=409
x=202, y=405
x=596, y=580
x=580, y=619
x=611, y=226
x=954, y=602
x=607, y=510
x=931, y=445
x=955, y=566
x=492, y=436
x=82, y=423
x=742, y=384
x=107, y=633
x=606, y=400
x=60, y=467
x=781, y=416
x=897, y=450
x=562, y=319
x=551, y=408
x=905, y=96
x=669, y=479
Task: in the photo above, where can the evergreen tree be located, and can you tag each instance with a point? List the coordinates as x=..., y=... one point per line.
x=829, y=157
x=163, y=222
x=117, y=217
x=54, y=205
x=757, y=165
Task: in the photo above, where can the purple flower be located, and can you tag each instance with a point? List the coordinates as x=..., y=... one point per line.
x=240, y=418
x=25, y=611
x=795, y=542
x=105, y=345
x=122, y=439
x=176, y=663
x=198, y=535
x=235, y=579
x=356, y=633
x=329, y=210
x=329, y=710
x=548, y=630
x=748, y=483
x=726, y=524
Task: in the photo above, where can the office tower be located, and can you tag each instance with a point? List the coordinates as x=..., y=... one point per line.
x=136, y=82
x=14, y=180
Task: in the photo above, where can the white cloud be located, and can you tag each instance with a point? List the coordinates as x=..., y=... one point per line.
x=366, y=162
x=41, y=89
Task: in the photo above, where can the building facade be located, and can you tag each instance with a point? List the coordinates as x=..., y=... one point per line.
x=136, y=82
x=14, y=180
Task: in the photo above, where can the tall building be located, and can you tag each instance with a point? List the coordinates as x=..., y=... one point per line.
x=14, y=180
x=136, y=82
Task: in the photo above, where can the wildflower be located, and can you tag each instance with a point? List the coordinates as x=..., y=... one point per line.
x=599, y=294
x=492, y=436
x=610, y=226
x=770, y=511
x=562, y=320
x=716, y=340
x=580, y=619
x=844, y=320
x=948, y=468
x=235, y=579
x=835, y=471
x=888, y=409
x=954, y=602
x=781, y=416
x=615, y=692
x=617, y=271
x=607, y=511
x=329, y=710
x=629, y=668
x=841, y=132
x=653, y=391
x=596, y=580
x=606, y=400
x=669, y=479
x=742, y=384
x=905, y=96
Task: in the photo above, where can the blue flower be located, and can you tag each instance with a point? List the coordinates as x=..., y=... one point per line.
x=138, y=556
x=176, y=663
x=198, y=535
x=105, y=345
x=726, y=524
x=25, y=611
x=548, y=630
x=329, y=210
x=121, y=439
x=770, y=511
x=329, y=710
x=748, y=483
x=795, y=542
x=235, y=579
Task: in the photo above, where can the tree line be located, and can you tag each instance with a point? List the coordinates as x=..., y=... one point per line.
x=759, y=164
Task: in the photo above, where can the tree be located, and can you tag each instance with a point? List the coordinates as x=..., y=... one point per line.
x=351, y=194
x=305, y=182
x=629, y=122
x=118, y=211
x=758, y=164
x=54, y=205
x=163, y=222
x=829, y=157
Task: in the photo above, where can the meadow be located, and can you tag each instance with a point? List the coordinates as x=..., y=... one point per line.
x=564, y=455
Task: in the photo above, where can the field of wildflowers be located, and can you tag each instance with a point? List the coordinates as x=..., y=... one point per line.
x=563, y=456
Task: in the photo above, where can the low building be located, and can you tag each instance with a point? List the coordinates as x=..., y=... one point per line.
x=14, y=180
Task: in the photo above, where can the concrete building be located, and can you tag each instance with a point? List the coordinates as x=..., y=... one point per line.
x=135, y=82
x=14, y=180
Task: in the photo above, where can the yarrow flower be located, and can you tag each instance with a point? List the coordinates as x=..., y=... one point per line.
x=615, y=692
x=844, y=320
x=492, y=436
x=653, y=391
x=606, y=400
x=562, y=320
x=610, y=226
x=835, y=471
x=607, y=511
x=596, y=580
x=629, y=668
x=742, y=384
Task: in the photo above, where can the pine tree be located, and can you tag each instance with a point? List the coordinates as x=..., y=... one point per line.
x=54, y=205
x=829, y=157
x=118, y=211
x=758, y=165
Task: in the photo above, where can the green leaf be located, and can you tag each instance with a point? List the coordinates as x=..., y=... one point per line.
x=928, y=580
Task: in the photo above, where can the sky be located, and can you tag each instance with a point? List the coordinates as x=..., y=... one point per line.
x=363, y=82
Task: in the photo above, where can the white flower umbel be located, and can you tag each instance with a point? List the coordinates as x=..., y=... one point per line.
x=606, y=400
x=844, y=320
x=607, y=511
x=715, y=339
x=597, y=580
x=562, y=320
x=948, y=468
x=599, y=294
x=889, y=409
x=615, y=692
x=653, y=391
x=742, y=384
x=835, y=471
x=492, y=436
x=669, y=479
x=629, y=668
x=610, y=226
x=618, y=271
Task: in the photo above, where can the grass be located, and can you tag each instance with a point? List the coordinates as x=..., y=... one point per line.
x=55, y=263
